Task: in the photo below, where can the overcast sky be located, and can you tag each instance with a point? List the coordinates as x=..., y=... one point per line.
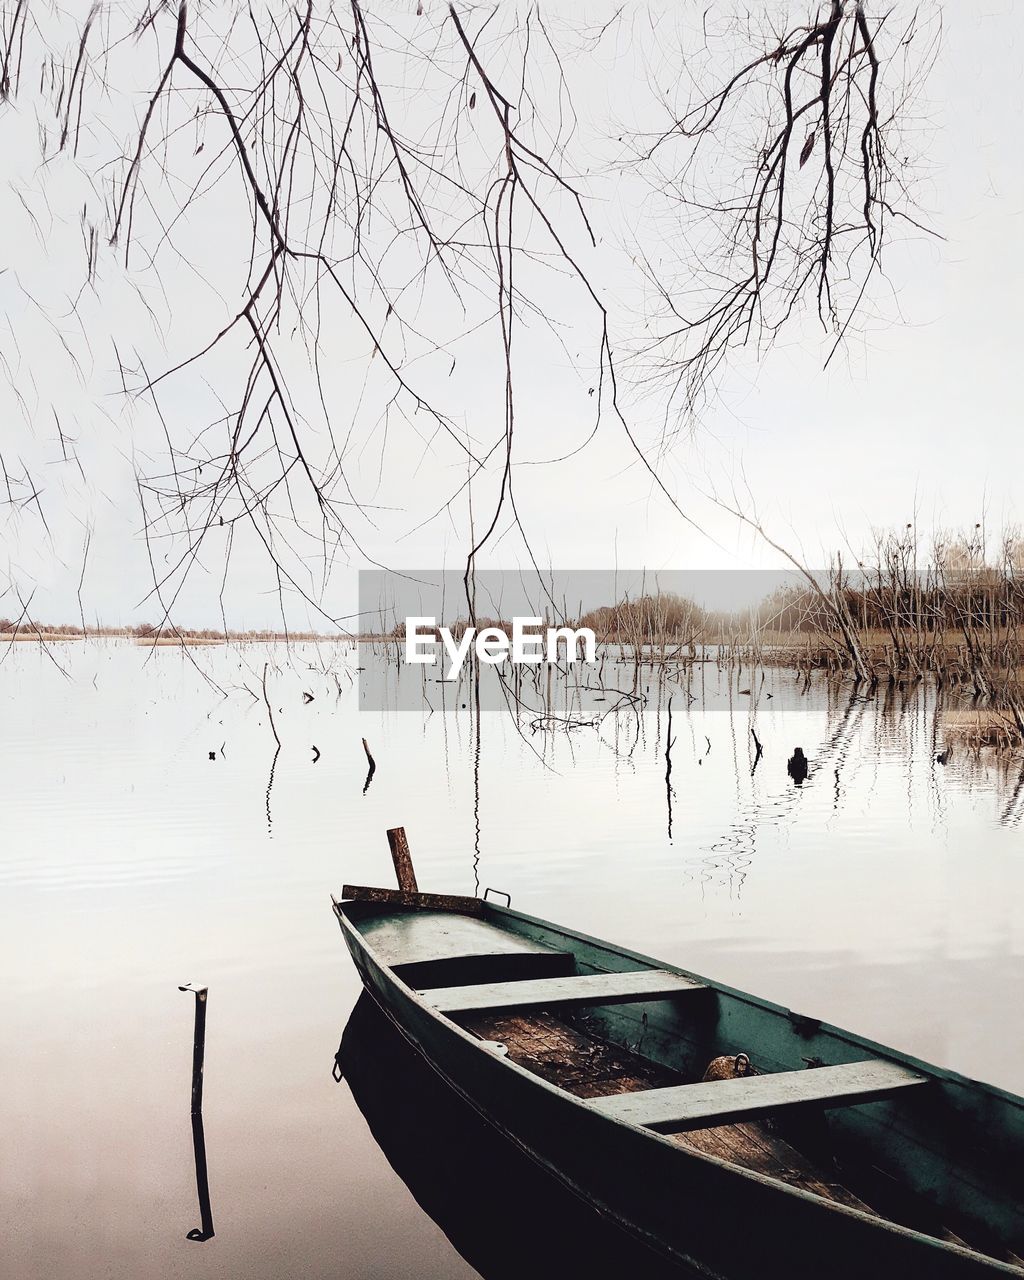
x=917, y=418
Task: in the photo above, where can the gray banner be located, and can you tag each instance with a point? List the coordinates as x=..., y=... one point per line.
x=431, y=641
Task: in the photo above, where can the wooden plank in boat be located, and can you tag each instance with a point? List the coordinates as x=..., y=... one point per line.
x=413, y=899
x=416, y=937
x=581, y=989
x=696, y=1106
x=752, y=1146
x=592, y=1068
x=568, y=1056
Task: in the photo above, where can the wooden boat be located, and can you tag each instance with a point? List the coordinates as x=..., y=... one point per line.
x=827, y=1155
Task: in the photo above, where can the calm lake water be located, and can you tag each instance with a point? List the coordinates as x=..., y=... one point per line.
x=886, y=895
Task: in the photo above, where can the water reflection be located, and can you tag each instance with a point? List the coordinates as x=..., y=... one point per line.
x=725, y=860
x=270, y=787
x=883, y=894
x=205, y=1230
x=371, y=764
x=505, y=1215
x=1014, y=808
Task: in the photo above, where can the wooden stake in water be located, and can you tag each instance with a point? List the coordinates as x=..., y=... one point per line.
x=198, y=1050
x=402, y=858
x=205, y=1232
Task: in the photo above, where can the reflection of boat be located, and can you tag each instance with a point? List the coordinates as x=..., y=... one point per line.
x=498, y=1207
x=832, y=1157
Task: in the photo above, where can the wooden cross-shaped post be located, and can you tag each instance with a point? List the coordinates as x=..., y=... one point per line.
x=402, y=859
x=407, y=895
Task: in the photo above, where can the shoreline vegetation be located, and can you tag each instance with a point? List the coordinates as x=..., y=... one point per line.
x=168, y=636
x=959, y=623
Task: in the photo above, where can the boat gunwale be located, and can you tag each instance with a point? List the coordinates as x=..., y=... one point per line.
x=449, y=1025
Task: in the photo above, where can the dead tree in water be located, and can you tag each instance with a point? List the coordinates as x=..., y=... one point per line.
x=832, y=601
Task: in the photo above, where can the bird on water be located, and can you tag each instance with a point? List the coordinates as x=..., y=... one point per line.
x=797, y=766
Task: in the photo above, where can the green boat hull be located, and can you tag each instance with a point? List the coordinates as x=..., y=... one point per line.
x=955, y=1145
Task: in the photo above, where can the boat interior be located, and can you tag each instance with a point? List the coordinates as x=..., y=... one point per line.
x=721, y=1072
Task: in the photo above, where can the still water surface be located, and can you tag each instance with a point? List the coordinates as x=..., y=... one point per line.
x=884, y=895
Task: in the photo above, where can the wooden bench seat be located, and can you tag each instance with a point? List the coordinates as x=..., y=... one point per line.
x=579, y=989
x=699, y=1106
x=441, y=948
x=414, y=937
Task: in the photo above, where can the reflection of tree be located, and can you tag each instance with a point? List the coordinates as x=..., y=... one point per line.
x=727, y=859
x=1013, y=810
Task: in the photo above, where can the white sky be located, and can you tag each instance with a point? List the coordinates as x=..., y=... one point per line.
x=918, y=419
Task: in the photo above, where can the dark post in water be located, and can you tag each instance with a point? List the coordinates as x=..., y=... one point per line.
x=199, y=1051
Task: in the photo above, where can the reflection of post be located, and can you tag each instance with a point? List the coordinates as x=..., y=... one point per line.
x=205, y=1231
x=372, y=766
x=759, y=745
